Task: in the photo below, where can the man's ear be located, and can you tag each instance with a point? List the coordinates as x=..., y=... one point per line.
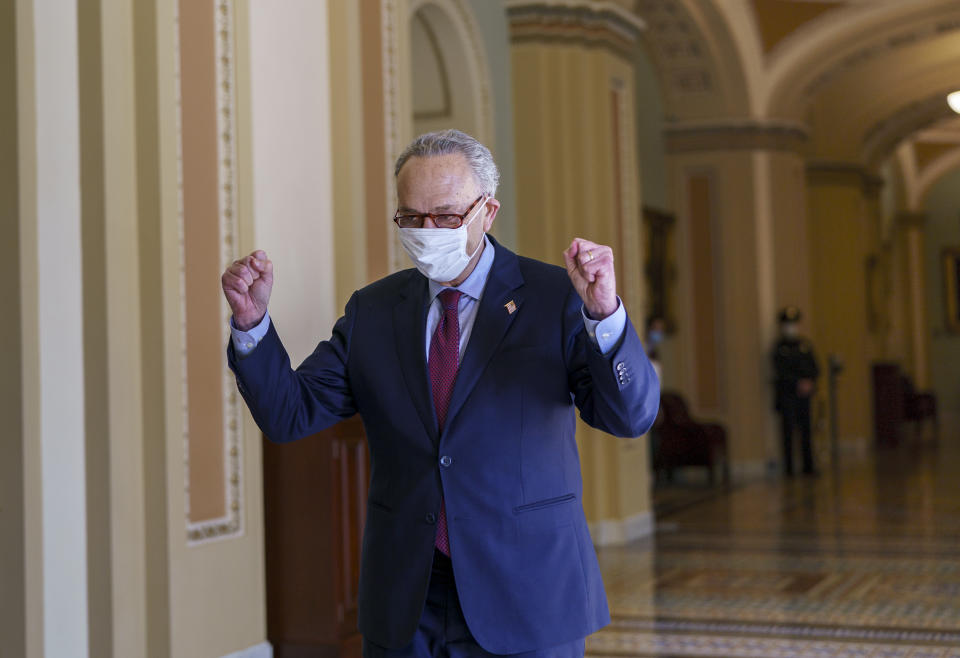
x=490, y=209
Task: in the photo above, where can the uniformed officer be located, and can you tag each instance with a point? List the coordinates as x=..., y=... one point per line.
x=796, y=371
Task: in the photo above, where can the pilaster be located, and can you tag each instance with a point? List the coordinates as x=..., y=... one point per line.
x=574, y=126
x=841, y=238
x=739, y=191
x=55, y=537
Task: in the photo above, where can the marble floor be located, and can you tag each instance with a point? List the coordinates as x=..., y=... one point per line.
x=863, y=561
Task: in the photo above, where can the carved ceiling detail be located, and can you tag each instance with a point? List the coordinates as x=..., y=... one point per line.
x=678, y=46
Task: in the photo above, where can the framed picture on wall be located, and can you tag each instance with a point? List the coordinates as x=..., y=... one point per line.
x=951, y=288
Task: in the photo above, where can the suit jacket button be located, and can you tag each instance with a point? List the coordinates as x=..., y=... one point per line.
x=445, y=461
x=431, y=517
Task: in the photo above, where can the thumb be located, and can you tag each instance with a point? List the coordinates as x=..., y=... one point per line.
x=569, y=257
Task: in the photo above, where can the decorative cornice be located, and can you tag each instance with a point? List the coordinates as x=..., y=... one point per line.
x=844, y=174
x=591, y=24
x=743, y=136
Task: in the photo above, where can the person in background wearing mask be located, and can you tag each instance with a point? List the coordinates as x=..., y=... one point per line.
x=795, y=370
x=465, y=370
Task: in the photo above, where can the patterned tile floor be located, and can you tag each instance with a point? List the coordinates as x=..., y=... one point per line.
x=862, y=561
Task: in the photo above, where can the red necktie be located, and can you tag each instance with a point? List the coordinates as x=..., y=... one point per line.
x=443, y=365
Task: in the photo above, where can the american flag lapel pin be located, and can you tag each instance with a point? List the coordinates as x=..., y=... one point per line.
x=510, y=306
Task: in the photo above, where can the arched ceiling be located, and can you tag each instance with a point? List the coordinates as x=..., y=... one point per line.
x=863, y=76
x=699, y=69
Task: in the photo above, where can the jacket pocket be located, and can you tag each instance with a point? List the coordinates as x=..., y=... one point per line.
x=547, y=502
x=372, y=504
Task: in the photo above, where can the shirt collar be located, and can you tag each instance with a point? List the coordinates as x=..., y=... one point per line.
x=473, y=285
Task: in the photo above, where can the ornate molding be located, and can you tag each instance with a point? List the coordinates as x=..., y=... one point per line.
x=743, y=136
x=390, y=57
x=590, y=24
x=231, y=524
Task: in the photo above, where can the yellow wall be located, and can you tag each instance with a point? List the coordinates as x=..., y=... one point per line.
x=347, y=110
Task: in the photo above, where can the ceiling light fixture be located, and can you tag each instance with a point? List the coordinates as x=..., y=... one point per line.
x=953, y=100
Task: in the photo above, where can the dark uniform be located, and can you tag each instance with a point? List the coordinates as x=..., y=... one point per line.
x=793, y=360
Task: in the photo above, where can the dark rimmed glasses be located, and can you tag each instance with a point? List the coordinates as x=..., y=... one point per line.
x=442, y=220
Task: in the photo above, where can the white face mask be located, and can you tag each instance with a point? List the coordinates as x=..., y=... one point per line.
x=439, y=253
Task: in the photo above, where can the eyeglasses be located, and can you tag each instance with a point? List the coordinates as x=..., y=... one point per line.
x=442, y=220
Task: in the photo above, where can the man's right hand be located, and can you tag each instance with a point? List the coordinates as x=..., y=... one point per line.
x=246, y=285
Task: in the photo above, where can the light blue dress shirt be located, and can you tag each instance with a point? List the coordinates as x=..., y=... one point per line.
x=603, y=333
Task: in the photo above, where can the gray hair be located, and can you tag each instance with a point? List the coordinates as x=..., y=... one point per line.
x=446, y=142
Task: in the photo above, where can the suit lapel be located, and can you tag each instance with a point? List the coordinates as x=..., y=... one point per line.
x=409, y=325
x=491, y=324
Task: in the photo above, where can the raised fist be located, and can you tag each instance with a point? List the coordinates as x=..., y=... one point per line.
x=590, y=266
x=246, y=285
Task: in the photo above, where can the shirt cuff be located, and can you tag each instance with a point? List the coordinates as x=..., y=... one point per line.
x=606, y=333
x=245, y=342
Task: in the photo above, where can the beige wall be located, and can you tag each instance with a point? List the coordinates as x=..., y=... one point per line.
x=97, y=555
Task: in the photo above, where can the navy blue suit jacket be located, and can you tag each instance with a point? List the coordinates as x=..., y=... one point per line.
x=523, y=560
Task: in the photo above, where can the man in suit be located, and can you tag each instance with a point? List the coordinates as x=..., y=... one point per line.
x=465, y=371
x=795, y=369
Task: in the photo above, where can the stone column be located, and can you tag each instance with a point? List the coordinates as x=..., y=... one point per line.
x=51, y=440
x=738, y=189
x=577, y=176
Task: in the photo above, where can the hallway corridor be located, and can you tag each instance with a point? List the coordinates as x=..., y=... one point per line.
x=862, y=562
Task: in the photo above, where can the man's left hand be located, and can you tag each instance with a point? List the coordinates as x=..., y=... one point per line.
x=590, y=266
